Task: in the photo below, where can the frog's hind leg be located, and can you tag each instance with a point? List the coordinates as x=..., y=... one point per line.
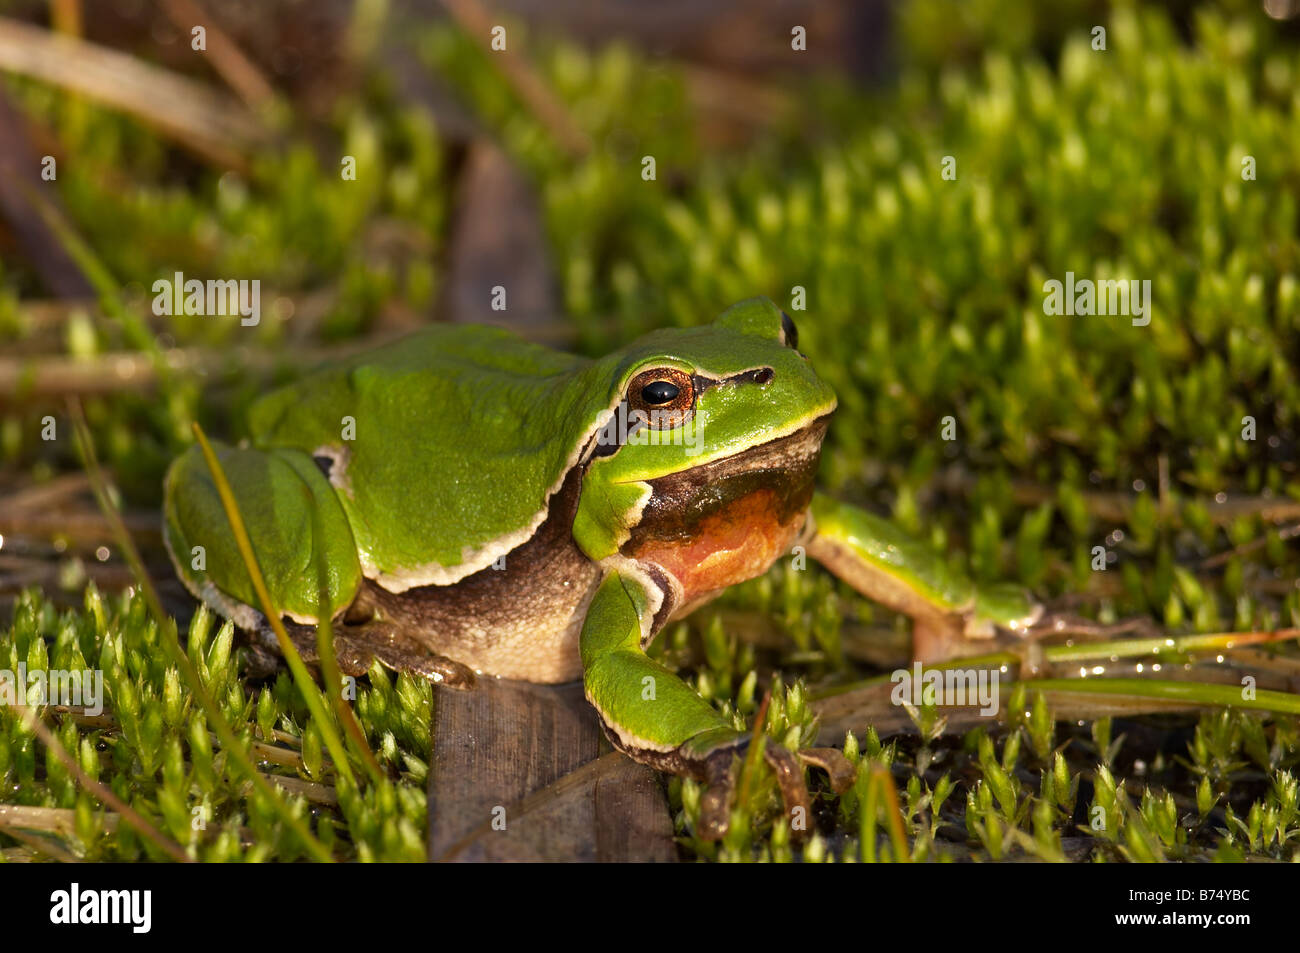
x=303, y=543
x=371, y=638
x=295, y=524
x=364, y=640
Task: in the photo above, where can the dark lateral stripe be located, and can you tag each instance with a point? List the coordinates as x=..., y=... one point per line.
x=757, y=375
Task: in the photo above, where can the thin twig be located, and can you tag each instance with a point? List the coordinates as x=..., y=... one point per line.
x=240, y=73
x=1218, y=559
x=194, y=115
x=1118, y=507
x=475, y=20
x=47, y=494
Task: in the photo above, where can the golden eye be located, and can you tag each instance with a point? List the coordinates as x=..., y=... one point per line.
x=664, y=395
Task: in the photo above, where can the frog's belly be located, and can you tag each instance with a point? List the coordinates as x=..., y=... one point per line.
x=529, y=632
x=522, y=621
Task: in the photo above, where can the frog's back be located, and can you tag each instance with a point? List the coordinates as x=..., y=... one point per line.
x=444, y=447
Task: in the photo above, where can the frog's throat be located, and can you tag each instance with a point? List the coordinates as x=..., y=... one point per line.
x=724, y=522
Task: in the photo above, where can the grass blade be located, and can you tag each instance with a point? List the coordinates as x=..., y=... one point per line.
x=306, y=684
x=329, y=668
x=1191, y=693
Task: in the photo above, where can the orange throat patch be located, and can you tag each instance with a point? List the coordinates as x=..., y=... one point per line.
x=733, y=544
x=728, y=520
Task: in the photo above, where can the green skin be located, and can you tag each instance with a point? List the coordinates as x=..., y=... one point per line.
x=468, y=509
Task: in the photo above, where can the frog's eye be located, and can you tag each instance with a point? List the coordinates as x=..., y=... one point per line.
x=663, y=394
x=789, y=333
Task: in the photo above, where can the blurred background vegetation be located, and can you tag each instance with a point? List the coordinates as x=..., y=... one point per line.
x=812, y=175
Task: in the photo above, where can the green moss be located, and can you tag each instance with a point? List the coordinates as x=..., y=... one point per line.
x=154, y=749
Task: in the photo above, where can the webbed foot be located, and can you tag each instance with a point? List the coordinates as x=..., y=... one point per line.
x=717, y=754
x=358, y=644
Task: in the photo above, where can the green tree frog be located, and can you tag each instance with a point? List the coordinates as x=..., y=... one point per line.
x=487, y=505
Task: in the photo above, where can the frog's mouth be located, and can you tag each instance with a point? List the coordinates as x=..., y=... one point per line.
x=764, y=488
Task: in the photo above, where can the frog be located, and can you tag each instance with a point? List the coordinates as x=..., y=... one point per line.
x=463, y=503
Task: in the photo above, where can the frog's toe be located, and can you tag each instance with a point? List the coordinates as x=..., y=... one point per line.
x=715, y=803
x=717, y=769
x=358, y=646
x=435, y=668
x=710, y=757
x=353, y=656
x=385, y=641
x=794, y=792
x=839, y=770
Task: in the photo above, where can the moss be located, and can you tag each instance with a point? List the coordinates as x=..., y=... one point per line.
x=154, y=748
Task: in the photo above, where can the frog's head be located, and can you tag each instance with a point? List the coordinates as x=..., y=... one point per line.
x=710, y=456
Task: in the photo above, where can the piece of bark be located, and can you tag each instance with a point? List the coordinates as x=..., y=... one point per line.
x=20, y=176
x=499, y=743
x=632, y=820
x=420, y=86
x=497, y=240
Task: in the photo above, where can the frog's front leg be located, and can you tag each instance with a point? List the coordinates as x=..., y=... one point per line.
x=653, y=716
x=889, y=566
